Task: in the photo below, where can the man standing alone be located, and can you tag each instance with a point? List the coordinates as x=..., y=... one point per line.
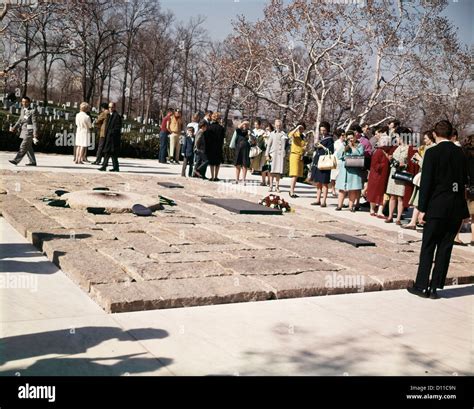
x=164, y=136
x=442, y=205
x=28, y=133
x=113, y=131
x=176, y=126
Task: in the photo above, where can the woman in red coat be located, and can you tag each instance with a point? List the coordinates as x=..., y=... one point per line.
x=379, y=171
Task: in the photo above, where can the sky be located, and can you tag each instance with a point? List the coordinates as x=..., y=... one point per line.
x=220, y=14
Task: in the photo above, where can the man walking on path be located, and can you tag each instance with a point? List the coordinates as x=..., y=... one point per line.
x=28, y=133
x=442, y=205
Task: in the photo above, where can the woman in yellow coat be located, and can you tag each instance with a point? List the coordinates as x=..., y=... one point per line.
x=298, y=145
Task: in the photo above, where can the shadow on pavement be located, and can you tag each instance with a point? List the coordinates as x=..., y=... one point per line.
x=456, y=292
x=75, y=341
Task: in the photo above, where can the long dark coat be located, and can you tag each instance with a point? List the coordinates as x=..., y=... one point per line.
x=214, y=141
x=113, y=132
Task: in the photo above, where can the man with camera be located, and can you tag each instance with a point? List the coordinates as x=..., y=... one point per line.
x=28, y=133
x=442, y=207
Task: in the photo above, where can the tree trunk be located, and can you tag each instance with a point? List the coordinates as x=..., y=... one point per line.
x=125, y=77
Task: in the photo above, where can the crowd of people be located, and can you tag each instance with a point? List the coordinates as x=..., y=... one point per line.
x=386, y=166
x=383, y=166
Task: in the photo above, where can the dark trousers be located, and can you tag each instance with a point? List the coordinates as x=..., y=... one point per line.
x=200, y=163
x=100, y=148
x=438, y=235
x=115, y=162
x=187, y=161
x=163, y=153
x=26, y=148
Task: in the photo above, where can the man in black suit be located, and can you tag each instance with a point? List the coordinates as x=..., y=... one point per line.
x=113, y=131
x=442, y=205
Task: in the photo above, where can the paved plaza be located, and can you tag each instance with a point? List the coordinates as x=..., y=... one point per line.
x=197, y=255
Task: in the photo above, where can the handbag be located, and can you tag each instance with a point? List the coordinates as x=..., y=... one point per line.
x=233, y=140
x=417, y=179
x=355, y=161
x=403, y=176
x=254, y=152
x=327, y=161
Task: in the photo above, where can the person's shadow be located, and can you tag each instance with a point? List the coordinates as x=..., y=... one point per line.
x=77, y=341
x=456, y=292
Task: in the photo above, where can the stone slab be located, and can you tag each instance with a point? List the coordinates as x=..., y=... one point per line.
x=241, y=206
x=352, y=240
x=120, y=297
x=171, y=185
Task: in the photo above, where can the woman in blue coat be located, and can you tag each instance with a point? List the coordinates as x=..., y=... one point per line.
x=349, y=179
x=321, y=178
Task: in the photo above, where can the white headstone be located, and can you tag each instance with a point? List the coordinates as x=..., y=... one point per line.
x=125, y=117
x=75, y=105
x=40, y=110
x=68, y=104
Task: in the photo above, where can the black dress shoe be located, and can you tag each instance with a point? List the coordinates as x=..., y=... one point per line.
x=30, y=164
x=102, y=169
x=13, y=162
x=418, y=291
x=114, y=170
x=434, y=294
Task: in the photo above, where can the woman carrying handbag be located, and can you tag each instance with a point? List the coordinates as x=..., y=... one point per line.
x=321, y=178
x=349, y=178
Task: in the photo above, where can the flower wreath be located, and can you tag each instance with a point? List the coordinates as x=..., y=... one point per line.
x=275, y=202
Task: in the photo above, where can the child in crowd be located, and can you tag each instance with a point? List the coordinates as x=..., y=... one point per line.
x=188, y=151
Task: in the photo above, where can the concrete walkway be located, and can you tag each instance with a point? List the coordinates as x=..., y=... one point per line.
x=48, y=326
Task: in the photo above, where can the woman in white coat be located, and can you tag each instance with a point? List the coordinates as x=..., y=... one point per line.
x=83, y=124
x=276, y=151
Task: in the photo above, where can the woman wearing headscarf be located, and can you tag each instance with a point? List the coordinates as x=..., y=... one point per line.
x=242, y=150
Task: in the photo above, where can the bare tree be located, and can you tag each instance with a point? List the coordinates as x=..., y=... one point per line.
x=135, y=14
